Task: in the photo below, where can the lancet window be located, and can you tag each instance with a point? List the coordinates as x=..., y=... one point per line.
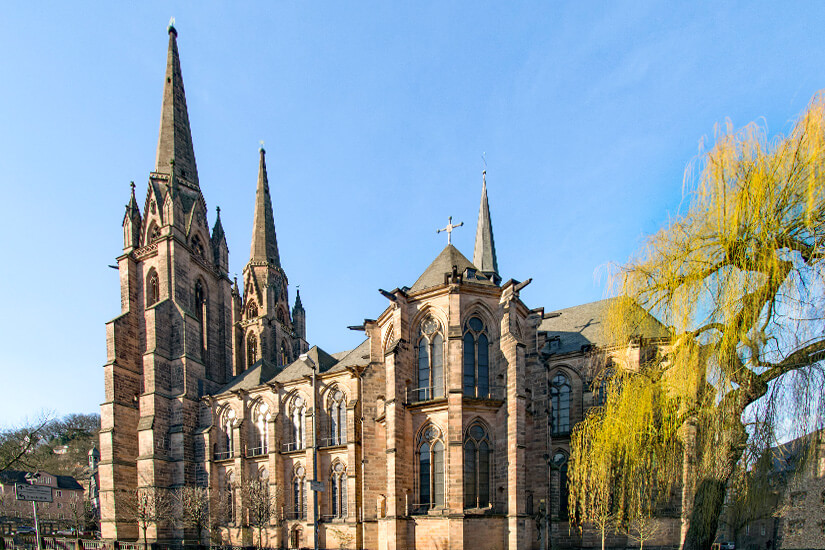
x=477, y=469
x=430, y=451
x=430, y=354
x=299, y=497
x=476, y=359
x=251, y=349
x=296, y=424
x=200, y=312
x=337, y=415
x=338, y=490
x=560, y=397
x=261, y=416
x=561, y=463
x=152, y=288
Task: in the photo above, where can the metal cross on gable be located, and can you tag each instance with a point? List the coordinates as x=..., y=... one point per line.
x=449, y=229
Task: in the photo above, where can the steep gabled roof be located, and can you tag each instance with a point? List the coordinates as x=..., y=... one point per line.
x=444, y=262
x=300, y=368
x=258, y=374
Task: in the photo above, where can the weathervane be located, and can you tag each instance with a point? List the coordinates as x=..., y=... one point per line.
x=262, y=145
x=449, y=229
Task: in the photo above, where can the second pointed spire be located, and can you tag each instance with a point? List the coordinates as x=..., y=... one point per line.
x=264, y=240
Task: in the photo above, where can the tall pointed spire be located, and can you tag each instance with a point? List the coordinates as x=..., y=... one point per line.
x=264, y=241
x=484, y=254
x=175, y=137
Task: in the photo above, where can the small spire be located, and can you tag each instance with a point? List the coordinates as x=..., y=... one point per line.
x=217, y=229
x=175, y=136
x=235, y=290
x=264, y=239
x=298, y=304
x=484, y=253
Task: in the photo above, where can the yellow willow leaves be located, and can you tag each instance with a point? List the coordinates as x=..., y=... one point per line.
x=726, y=279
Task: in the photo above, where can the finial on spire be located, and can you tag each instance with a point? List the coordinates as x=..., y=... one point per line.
x=262, y=146
x=132, y=185
x=449, y=230
x=171, y=28
x=218, y=209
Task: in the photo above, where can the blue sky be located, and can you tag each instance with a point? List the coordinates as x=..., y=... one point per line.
x=375, y=116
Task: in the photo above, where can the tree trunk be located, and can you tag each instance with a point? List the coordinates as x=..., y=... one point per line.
x=145, y=543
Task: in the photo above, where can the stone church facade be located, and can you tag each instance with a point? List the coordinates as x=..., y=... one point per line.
x=447, y=427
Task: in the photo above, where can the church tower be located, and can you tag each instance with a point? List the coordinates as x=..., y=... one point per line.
x=267, y=333
x=172, y=342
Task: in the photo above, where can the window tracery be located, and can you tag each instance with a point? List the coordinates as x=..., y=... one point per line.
x=560, y=395
x=338, y=490
x=430, y=450
x=337, y=415
x=251, y=349
x=296, y=424
x=477, y=469
x=476, y=359
x=152, y=288
x=430, y=354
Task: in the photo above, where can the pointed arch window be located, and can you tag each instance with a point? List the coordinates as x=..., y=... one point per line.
x=251, y=349
x=229, y=497
x=476, y=359
x=152, y=288
x=430, y=353
x=337, y=415
x=560, y=397
x=200, y=313
x=259, y=441
x=296, y=424
x=299, y=497
x=477, y=469
x=225, y=447
x=338, y=490
x=560, y=461
x=430, y=469
x=283, y=358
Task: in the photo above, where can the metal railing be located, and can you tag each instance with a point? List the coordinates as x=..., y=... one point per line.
x=293, y=446
x=424, y=393
x=257, y=451
x=429, y=393
x=498, y=393
x=223, y=455
x=295, y=514
x=331, y=441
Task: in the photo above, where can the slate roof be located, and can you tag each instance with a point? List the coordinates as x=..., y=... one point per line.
x=263, y=372
x=571, y=329
x=300, y=368
x=443, y=263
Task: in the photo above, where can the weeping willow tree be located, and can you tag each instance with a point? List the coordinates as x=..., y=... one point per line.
x=739, y=281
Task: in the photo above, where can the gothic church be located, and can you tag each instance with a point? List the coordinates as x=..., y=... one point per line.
x=447, y=427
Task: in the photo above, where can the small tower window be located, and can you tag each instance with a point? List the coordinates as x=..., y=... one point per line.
x=152, y=288
x=251, y=349
x=154, y=232
x=283, y=358
x=200, y=313
x=252, y=310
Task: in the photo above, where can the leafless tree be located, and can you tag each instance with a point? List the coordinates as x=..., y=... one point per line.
x=147, y=506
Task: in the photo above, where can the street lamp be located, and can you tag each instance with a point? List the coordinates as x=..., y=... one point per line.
x=307, y=359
